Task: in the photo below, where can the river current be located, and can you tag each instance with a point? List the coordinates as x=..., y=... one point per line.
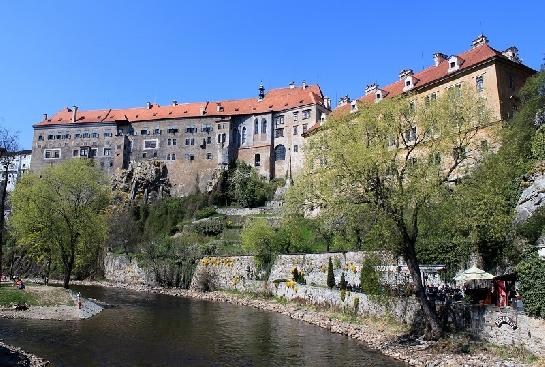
x=159, y=330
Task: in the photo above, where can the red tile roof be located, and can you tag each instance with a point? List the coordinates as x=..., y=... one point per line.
x=434, y=73
x=275, y=100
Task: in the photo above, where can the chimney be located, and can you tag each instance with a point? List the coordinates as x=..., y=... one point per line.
x=74, y=111
x=438, y=58
x=479, y=41
x=512, y=53
x=174, y=102
x=304, y=85
x=371, y=88
x=292, y=85
x=201, y=110
x=405, y=73
x=344, y=100
x=45, y=116
x=148, y=105
x=327, y=103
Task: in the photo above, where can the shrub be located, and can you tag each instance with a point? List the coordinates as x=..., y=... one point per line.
x=260, y=240
x=205, y=212
x=531, y=273
x=209, y=227
x=298, y=276
x=330, y=275
x=343, y=283
x=369, y=277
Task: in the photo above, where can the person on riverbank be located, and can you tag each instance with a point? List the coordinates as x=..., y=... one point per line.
x=19, y=284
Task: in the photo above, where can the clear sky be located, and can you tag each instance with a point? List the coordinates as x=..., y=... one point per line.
x=114, y=53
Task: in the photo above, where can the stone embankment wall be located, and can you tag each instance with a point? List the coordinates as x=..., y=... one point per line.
x=122, y=269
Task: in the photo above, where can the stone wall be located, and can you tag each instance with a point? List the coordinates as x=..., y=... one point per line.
x=122, y=269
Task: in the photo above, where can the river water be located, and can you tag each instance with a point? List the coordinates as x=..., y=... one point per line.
x=159, y=330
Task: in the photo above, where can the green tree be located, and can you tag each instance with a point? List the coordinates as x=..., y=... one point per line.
x=260, y=240
x=61, y=213
x=330, y=275
x=390, y=159
x=531, y=273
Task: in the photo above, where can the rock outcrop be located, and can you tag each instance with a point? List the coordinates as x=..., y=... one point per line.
x=148, y=180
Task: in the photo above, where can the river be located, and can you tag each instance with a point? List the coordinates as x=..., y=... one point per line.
x=147, y=329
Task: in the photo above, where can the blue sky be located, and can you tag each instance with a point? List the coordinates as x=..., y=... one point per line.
x=113, y=54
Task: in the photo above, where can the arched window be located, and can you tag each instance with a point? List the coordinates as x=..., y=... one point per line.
x=243, y=140
x=257, y=160
x=256, y=127
x=263, y=126
x=279, y=153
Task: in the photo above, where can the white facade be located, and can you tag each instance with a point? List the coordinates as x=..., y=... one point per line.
x=17, y=166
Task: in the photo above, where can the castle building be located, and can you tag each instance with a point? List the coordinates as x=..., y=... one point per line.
x=195, y=140
x=496, y=75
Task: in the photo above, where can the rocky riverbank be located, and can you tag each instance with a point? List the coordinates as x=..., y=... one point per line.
x=375, y=333
x=15, y=357
x=51, y=303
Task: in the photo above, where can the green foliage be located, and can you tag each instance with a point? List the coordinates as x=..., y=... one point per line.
x=538, y=144
x=261, y=240
x=342, y=283
x=369, y=276
x=242, y=186
x=330, y=275
x=205, y=212
x=61, y=214
x=531, y=274
x=298, y=276
x=210, y=226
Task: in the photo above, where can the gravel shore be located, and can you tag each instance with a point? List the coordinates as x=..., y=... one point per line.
x=371, y=332
x=15, y=357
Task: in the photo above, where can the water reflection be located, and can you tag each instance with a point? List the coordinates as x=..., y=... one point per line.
x=158, y=330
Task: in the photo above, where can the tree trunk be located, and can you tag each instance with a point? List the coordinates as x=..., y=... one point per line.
x=2, y=219
x=48, y=270
x=67, y=273
x=435, y=330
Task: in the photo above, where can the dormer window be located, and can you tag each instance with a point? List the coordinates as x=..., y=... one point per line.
x=378, y=96
x=409, y=83
x=353, y=106
x=454, y=63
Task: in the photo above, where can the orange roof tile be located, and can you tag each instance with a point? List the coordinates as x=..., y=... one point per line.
x=275, y=100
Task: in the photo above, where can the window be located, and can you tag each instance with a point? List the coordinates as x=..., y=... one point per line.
x=58, y=137
x=452, y=64
x=169, y=142
x=93, y=152
x=257, y=160
x=52, y=153
x=243, y=136
x=378, y=96
x=172, y=130
x=150, y=144
x=189, y=157
x=295, y=148
x=86, y=135
x=295, y=130
x=77, y=136
x=279, y=120
x=256, y=127
x=263, y=126
x=75, y=153
x=306, y=114
x=189, y=141
x=83, y=152
x=157, y=132
x=95, y=135
x=479, y=83
x=144, y=132
x=410, y=134
x=296, y=116
x=278, y=133
x=208, y=140
x=305, y=128
x=171, y=157
x=279, y=153
x=206, y=128
x=50, y=137
x=191, y=129
x=208, y=155
x=40, y=138
x=108, y=134
x=144, y=155
x=219, y=126
x=107, y=152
